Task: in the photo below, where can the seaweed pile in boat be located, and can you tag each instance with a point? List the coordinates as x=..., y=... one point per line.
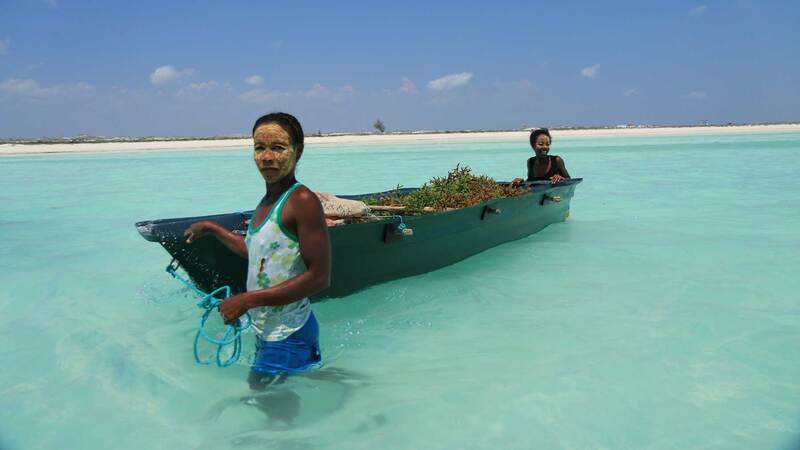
x=459, y=189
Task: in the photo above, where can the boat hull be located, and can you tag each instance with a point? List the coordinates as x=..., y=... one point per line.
x=369, y=253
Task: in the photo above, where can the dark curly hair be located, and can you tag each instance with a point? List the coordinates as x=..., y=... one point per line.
x=536, y=133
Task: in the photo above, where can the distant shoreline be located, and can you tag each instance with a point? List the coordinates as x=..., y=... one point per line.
x=118, y=145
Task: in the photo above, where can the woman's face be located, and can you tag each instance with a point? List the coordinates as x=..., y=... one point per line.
x=273, y=152
x=542, y=145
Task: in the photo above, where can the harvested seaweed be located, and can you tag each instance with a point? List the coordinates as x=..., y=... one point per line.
x=459, y=189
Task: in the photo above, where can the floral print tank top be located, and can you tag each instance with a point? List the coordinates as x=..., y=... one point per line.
x=273, y=257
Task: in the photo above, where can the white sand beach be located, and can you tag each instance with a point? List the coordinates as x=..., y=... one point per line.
x=211, y=144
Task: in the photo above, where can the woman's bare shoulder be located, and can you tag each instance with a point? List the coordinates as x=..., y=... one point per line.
x=304, y=194
x=304, y=201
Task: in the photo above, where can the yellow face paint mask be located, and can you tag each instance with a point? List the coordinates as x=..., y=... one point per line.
x=273, y=152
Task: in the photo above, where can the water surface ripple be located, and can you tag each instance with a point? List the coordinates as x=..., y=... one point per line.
x=664, y=314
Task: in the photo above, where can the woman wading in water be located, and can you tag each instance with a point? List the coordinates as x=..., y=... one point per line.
x=288, y=252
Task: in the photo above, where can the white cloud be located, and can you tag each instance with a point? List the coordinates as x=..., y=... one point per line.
x=26, y=87
x=198, y=88
x=31, y=88
x=697, y=10
x=165, y=74
x=82, y=86
x=696, y=95
x=343, y=93
x=317, y=90
x=203, y=85
x=591, y=71
x=254, y=80
x=407, y=86
x=451, y=81
x=631, y=92
x=3, y=46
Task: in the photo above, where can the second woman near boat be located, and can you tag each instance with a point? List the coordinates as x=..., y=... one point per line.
x=288, y=252
x=543, y=166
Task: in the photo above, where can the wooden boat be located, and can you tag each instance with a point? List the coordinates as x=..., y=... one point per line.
x=385, y=249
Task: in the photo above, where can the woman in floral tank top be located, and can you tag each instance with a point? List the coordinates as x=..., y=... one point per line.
x=288, y=252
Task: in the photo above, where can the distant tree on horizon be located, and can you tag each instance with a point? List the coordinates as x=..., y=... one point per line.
x=379, y=126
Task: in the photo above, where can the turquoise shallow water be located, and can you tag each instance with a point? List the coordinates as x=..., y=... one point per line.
x=664, y=314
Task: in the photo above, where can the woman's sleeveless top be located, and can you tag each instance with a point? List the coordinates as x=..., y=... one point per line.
x=553, y=170
x=273, y=257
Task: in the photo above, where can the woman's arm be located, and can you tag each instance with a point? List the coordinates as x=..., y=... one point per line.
x=562, y=171
x=303, y=213
x=233, y=242
x=562, y=168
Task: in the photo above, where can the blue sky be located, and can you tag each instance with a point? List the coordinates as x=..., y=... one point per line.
x=69, y=67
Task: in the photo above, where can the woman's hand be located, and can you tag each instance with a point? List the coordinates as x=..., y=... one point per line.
x=196, y=231
x=556, y=178
x=233, y=242
x=232, y=308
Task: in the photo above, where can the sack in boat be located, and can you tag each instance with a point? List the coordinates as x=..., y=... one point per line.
x=340, y=207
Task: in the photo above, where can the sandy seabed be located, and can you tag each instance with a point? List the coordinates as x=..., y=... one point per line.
x=211, y=144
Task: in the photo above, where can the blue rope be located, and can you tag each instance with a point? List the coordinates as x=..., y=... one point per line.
x=209, y=302
x=401, y=226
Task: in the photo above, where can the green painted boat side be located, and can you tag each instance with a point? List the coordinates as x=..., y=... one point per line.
x=374, y=252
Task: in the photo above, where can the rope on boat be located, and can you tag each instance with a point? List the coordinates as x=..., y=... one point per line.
x=402, y=225
x=401, y=229
x=210, y=302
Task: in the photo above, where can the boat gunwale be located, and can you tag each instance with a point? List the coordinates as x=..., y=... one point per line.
x=144, y=226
